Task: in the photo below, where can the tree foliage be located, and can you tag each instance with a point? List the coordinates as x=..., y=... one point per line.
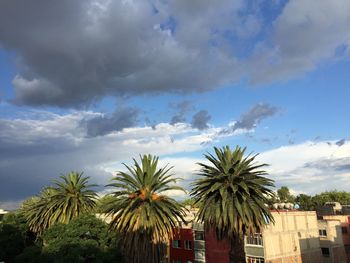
x=64, y=200
x=284, y=195
x=84, y=239
x=332, y=196
x=105, y=203
x=305, y=202
x=15, y=236
x=232, y=194
x=143, y=215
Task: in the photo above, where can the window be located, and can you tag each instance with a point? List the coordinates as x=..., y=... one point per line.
x=344, y=230
x=347, y=249
x=255, y=239
x=322, y=232
x=199, y=255
x=188, y=244
x=199, y=235
x=176, y=243
x=325, y=251
x=255, y=260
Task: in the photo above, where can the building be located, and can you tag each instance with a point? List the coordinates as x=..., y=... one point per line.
x=331, y=241
x=295, y=237
x=334, y=211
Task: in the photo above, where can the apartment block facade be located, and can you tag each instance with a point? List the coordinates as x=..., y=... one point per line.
x=335, y=213
x=294, y=237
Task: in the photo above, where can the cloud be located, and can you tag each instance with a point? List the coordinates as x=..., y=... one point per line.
x=250, y=119
x=56, y=144
x=341, y=142
x=200, y=120
x=302, y=36
x=80, y=51
x=309, y=167
x=339, y=164
x=102, y=125
x=182, y=108
x=177, y=119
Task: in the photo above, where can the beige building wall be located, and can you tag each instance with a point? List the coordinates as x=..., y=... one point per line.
x=293, y=238
x=331, y=239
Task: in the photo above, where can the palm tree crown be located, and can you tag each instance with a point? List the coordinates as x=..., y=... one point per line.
x=142, y=212
x=232, y=194
x=65, y=200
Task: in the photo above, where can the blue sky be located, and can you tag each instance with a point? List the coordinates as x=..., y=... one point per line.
x=114, y=80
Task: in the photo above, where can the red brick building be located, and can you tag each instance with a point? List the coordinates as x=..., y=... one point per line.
x=181, y=249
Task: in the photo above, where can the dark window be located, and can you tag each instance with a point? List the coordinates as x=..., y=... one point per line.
x=347, y=249
x=322, y=232
x=199, y=235
x=325, y=251
x=176, y=243
x=188, y=244
x=255, y=239
x=344, y=230
x=255, y=260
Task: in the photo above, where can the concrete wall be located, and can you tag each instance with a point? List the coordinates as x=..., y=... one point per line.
x=333, y=241
x=344, y=222
x=293, y=238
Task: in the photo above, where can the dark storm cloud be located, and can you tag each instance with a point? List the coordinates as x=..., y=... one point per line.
x=252, y=118
x=177, y=119
x=200, y=120
x=70, y=53
x=34, y=151
x=330, y=165
x=17, y=140
x=182, y=108
x=102, y=125
x=74, y=52
x=341, y=142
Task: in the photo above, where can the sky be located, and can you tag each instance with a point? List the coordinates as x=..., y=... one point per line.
x=88, y=85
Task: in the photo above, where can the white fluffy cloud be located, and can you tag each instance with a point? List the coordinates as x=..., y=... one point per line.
x=310, y=167
x=39, y=146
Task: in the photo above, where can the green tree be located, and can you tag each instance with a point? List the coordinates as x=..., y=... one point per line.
x=284, y=195
x=104, y=203
x=143, y=215
x=83, y=239
x=332, y=196
x=64, y=200
x=14, y=236
x=232, y=194
x=305, y=202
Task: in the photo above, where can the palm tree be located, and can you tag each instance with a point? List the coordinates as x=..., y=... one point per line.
x=144, y=216
x=232, y=194
x=66, y=199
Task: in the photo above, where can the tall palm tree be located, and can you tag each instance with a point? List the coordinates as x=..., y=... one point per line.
x=144, y=216
x=64, y=200
x=232, y=194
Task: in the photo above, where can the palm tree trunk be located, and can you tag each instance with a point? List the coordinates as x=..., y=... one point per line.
x=237, y=253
